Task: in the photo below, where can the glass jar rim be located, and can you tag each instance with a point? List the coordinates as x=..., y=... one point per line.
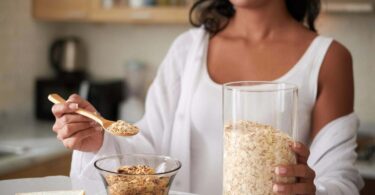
x=178, y=164
x=276, y=86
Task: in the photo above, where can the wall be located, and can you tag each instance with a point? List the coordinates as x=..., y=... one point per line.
x=23, y=57
x=111, y=46
x=357, y=33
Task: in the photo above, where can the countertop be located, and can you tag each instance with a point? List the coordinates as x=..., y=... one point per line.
x=55, y=183
x=26, y=142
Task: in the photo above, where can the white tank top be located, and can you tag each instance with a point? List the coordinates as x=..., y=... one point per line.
x=206, y=115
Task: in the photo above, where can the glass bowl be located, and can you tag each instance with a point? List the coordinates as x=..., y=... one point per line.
x=157, y=183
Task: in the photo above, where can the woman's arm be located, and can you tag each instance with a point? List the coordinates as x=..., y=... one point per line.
x=333, y=123
x=329, y=169
x=335, y=88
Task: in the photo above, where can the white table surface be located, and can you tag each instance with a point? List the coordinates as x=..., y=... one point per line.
x=55, y=183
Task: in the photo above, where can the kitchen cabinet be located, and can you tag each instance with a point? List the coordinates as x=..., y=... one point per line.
x=93, y=11
x=61, y=10
x=146, y=15
x=59, y=165
x=348, y=6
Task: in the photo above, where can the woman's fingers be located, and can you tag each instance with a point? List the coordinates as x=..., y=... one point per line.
x=82, y=103
x=60, y=109
x=299, y=170
x=71, y=118
x=69, y=129
x=75, y=131
x=72, y=104
x=69, y=124
x=302, y=152
x=297, y=188
x=75, y=141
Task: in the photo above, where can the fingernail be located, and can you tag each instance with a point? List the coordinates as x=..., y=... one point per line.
x=297, y=145
x=278, y=188
x=280, y=170
x=73, y=106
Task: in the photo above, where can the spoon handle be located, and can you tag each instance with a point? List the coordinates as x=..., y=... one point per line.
x=57, y=99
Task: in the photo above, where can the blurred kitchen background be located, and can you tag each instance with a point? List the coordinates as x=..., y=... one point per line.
x=108, y=52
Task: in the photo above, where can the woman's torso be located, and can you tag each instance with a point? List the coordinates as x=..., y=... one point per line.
x=206, y=114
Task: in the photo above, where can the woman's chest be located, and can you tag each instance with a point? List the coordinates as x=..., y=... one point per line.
x=207, y=114
x=229, y=62
x=206, y=107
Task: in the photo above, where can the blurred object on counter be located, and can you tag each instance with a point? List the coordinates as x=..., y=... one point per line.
x=68, y=60
x=162, y=2
x=107, y=4
x=135, y=76
x=366, y=147
x=141, y=3
x=177, y=2
x=67, y=57
x=45, y=86
x=136, y=3
x=149, y=2
x=106, y=96
x=133, y=108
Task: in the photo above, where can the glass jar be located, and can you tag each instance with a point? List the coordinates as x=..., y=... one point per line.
x=259, y=126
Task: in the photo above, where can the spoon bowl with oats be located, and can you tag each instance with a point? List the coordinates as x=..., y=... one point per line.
x=118, y=128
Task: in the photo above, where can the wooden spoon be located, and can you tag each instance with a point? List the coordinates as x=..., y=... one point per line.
x=119, y=128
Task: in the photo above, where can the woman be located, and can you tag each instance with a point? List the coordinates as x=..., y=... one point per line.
x=237, y=40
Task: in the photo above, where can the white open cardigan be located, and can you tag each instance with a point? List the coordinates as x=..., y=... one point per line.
x=165, y=127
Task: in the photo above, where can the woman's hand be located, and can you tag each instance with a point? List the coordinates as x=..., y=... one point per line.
x=304, y=174
x=75, y=131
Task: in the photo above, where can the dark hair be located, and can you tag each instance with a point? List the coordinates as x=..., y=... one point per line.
x=214, y=15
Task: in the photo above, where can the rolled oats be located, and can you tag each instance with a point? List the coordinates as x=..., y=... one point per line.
x=123, y=128
x=137, y=181
x=251, y=153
